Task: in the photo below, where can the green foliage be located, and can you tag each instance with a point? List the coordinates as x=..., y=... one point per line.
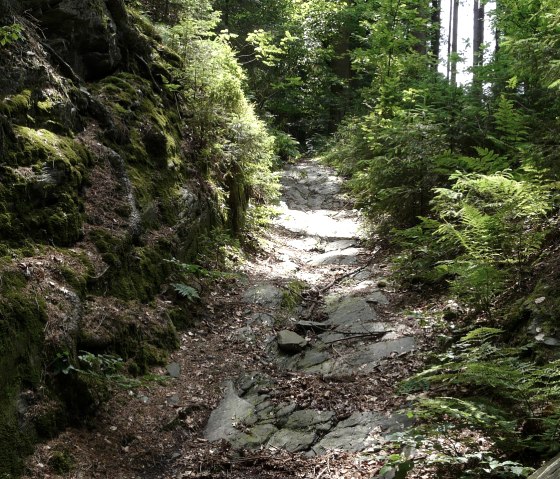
x=236, y=151
x=286, y=147
x=496, y=224
x=61, y=462
x=190, y=279
x=415, y=260
x=494, y=390
x=442, y=450
x=100, y=371
x=10, y=34
x=484, y=232
x=510, y=122
x=401, y=159
x=292, y=294
x=187, y=292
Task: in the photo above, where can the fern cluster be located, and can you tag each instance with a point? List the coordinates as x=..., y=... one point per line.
x=484, y=231
x=488, y=386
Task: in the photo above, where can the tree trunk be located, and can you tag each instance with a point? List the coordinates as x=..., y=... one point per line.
x=478, y=41
x=478, y=33
x=449, y=35
x=421, y=31
x=497, y=34
x=225, y=14
x=435, y=32
x=455, y=42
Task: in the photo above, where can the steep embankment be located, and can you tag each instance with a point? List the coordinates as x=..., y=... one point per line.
x=105, y=173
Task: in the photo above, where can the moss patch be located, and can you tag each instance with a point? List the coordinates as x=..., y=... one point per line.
x=40, y=191
x=22, y=319
x=140, y=334
x=16, y=104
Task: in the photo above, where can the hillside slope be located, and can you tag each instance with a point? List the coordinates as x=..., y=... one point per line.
x=106, y=172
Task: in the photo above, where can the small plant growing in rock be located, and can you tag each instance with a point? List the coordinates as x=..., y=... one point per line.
x=10, y=34
x=61, y=462
x=291, y=297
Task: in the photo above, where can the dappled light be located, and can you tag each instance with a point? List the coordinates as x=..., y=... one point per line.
x=279, y=239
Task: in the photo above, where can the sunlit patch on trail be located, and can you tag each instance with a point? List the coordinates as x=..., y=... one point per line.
x=322, y=223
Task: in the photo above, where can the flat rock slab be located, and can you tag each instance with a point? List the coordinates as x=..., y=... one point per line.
x=364, y=358
x=311, y=359
x=349, y=310
x=321, y=223
x=310, y=419
x=244, y=335
x=174, y=370
x=340, y=245
x=551, y=470
x=254, y=437
x=267, y=295
x=290, y=342
x=347, y=256
x=357, y=432
x=231, y=410
x=292, y=441
x=355, y=330
x=305, y=325
x=264, y=319
x=377, y=297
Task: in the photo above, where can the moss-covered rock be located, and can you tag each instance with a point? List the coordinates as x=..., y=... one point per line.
x=140, y=334
x=22, y=320
x=40, y=194
x=100, y=184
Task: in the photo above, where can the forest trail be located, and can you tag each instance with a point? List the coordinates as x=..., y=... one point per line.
x=295, y=364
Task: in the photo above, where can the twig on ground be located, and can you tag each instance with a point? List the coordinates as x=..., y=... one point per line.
x=350, y=273
x=359, y=335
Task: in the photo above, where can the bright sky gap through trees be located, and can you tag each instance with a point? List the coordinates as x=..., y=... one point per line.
x=466, y=36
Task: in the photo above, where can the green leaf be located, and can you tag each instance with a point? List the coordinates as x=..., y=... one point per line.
x=187, y=292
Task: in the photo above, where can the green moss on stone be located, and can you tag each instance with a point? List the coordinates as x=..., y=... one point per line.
x=16, y=104
x=61, y=462
x=40, y=196
x=55, y=151
x=135, y=272
x=22, y=320
x=45, y=106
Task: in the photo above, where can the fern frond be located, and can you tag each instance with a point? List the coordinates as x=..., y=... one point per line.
x=187, y=292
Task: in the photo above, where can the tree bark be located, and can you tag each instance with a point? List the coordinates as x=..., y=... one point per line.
x=449, y=41
x=455, y=42
x=478, y=33
x=497, y=34
x=421, y=32
x=435, y=32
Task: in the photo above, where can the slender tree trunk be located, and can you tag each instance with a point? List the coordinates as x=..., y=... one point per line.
x=449, y=36
x=497, y=34
x=478, y=41
x=478, y=33
x=226, y=14
x=341, y=66
x=435, y=32
x=421, y=33
x=455, y=42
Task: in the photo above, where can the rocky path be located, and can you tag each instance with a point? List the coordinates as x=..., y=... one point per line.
x=292, y=372
x=339, y=330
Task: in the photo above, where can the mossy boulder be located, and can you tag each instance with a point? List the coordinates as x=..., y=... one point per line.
x=83, y=32
x=141, y=334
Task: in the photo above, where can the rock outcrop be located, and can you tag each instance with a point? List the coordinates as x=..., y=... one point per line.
x=101, y=181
